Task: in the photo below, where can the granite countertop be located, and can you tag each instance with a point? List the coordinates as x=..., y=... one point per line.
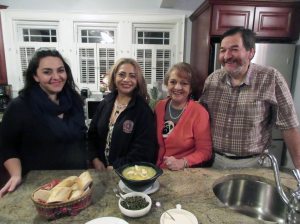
x=192, y=188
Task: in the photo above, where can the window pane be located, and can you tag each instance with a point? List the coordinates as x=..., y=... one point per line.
x=94, y=33
x=153, y=41
x=25, y=31
x=84, y=40
x=97, y=36
x=35, y=39
x=45, y=39
x=111, y=34
x=94, y=40
x=153, y=37
x=154, y=34
x=83, y=32
x=39, y=32
x=106, y=37
x=39, y=35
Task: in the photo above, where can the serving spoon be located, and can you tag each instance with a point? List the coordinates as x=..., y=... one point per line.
x=118, y=194
x=159, y=205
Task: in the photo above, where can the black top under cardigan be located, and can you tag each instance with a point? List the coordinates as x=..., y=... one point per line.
x=134, y=134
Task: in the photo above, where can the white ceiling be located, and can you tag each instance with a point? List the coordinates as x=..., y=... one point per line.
x=152, y=6
x=189, y=5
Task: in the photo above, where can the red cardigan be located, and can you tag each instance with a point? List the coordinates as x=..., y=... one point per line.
x=191, y=137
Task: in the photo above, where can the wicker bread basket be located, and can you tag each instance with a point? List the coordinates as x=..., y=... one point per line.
x=57, y=210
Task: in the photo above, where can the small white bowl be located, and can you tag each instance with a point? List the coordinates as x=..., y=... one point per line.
x=136, y=213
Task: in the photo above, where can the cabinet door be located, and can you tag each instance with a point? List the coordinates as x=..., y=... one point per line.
x=273, y=22
x=228, y=16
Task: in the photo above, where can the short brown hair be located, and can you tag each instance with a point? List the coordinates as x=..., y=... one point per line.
x=192, y=77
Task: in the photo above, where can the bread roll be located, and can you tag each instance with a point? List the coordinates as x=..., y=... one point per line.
x=41, y=195
x=67, y=182
x=59, y=194
x=85, y=180
x=76, y=186
x=75, y=194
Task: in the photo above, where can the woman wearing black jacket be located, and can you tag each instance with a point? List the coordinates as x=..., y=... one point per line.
x=123, y=128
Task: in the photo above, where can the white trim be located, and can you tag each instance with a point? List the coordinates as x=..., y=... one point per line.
x=65, y=24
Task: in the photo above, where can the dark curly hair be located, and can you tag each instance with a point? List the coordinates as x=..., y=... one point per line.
x=34, y=64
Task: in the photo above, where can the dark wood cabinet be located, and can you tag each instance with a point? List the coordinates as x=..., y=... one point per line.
x=3, y=75
x=274, y=21
x=226, y=16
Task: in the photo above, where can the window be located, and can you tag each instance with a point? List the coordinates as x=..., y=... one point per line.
x=39, y=35
x=97, y=53
x=97, y=36
x=152, y=37
x=153, y=51
x=91, y=43
x=32, y=36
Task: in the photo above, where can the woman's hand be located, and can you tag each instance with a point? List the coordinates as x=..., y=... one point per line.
x=11, y=185
x=98, y=165
x=174, y=164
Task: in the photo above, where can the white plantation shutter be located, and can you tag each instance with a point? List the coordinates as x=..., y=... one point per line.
x=155, y=61
x=106, y=60
x=26, y=52
x=95, y=60
x=163, y=62
x=144, y=58
x=25, y=55
x=87, y=65
x=97, y=52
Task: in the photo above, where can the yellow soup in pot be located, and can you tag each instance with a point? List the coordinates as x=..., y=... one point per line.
x=138, y=172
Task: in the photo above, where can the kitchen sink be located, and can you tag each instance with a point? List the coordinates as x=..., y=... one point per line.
x=253, y=196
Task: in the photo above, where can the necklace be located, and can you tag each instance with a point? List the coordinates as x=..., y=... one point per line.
x=118, y=109
x=178, y=116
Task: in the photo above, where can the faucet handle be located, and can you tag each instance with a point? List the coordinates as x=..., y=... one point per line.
x=296, y=173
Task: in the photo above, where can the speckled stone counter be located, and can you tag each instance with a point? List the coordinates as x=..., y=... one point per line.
x=192, y=188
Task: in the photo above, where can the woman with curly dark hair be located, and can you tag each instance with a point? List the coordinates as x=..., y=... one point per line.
x=44, y=127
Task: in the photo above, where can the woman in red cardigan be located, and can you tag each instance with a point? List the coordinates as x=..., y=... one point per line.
x=183, y=129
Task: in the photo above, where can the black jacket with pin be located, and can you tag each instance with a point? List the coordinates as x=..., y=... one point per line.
x=134, y=134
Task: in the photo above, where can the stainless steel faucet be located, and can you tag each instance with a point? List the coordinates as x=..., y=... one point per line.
x=293, y=202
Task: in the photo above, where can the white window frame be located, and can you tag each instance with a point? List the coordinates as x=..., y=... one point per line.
x=156, y=27
x=97, y=47
x=66, y=31
x=31, y=47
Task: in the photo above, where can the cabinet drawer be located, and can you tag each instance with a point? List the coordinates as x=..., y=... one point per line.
x=273, y=22
x=227, y=16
